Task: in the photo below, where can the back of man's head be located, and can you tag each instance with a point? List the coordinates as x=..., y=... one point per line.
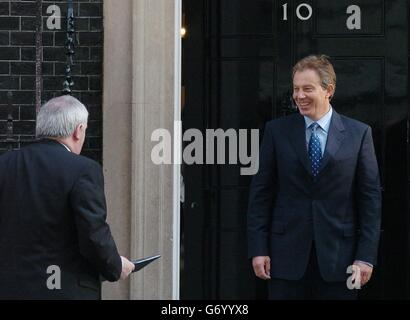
x=59, y=117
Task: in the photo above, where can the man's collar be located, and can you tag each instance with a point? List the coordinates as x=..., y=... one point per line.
x=64, y=146
x=54, y=141
x=323, y=122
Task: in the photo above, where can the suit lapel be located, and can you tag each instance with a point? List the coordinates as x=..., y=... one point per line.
x=298, y=140
x=335, y=138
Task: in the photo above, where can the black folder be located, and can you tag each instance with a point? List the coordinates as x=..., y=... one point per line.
x=141, y=263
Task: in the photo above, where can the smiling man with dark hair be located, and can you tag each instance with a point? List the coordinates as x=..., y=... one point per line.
x=315, y=204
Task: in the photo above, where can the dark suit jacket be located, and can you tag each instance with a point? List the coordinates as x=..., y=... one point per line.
x=53, y=212
x=340, y=209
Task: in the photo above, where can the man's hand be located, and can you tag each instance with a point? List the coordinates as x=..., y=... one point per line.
x=365, y=272
x=261, y=267
x=127, y=268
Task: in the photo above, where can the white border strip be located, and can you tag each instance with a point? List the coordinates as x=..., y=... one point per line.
x=177, y=151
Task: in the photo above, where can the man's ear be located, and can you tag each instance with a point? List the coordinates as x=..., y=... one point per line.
x=330, y=91
x=77, y=132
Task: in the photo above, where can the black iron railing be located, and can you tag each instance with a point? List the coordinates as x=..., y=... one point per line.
x=69, y=83
x=11, y=140
x=39, y=53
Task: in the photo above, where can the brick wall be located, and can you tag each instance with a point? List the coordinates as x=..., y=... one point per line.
x=17, y=66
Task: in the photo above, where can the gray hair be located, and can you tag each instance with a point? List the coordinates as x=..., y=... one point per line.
x=59, y=117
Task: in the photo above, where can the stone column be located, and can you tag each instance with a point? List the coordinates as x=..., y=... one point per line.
x=141, y=76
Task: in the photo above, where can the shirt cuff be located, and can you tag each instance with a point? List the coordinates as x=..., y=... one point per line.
x=366, y=263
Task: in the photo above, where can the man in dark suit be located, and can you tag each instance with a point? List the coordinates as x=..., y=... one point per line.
x=54, y=239
x=315, y=204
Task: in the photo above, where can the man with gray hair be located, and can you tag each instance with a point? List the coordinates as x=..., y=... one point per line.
x=54, y=239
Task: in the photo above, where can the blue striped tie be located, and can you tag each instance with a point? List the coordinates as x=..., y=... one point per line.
x=315, y=151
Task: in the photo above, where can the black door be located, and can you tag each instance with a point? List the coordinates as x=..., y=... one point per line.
x=237, y=60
